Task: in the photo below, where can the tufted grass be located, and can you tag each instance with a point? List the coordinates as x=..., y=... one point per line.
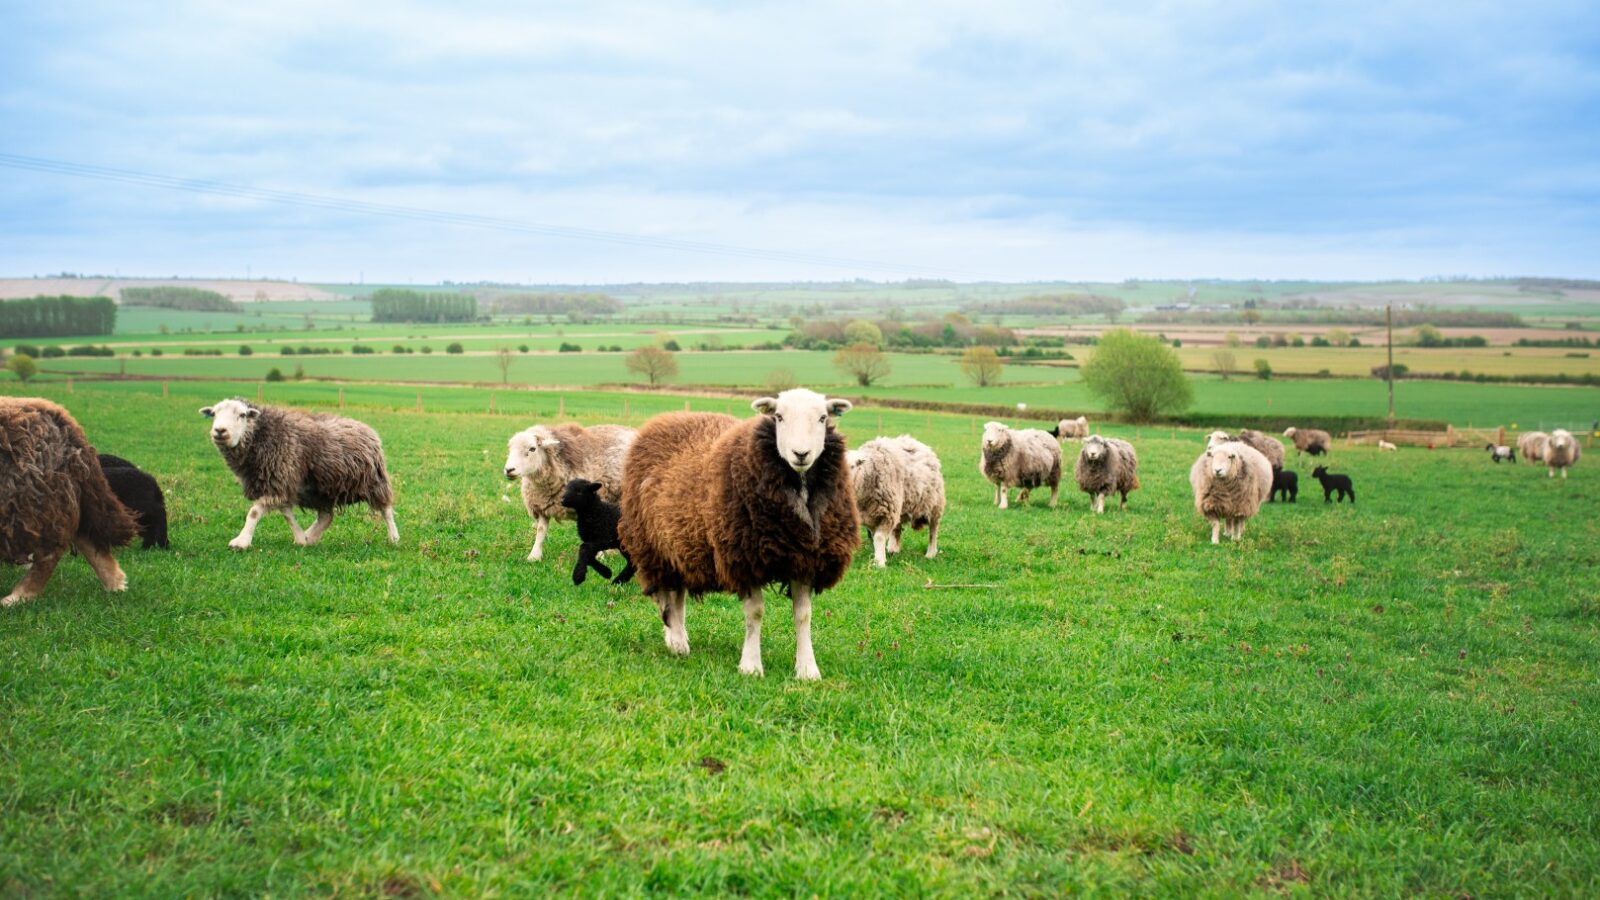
x=1394, y=698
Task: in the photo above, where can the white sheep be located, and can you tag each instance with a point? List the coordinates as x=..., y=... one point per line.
x=1025, y=458
x=1217, y=437
x=898, y=482
x=1106, y=466
x=1531, y=445
x=1561, y=452
x=1266, y=445
x=1386, y=446
x=546, y=457
x=1230, y=481
x=1075, y=429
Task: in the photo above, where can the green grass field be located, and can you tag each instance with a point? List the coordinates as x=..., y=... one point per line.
x=1393, y=698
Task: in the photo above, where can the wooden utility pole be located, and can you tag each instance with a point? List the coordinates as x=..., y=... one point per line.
x=1388, y=318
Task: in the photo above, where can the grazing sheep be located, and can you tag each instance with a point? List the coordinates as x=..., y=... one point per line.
x=1230, y=482
x=1266, y=445
x=897, y=482
x=53, y=496
x=1531, y=445
x=1501, y=451
x=597, y=528
x=546, y=457
x=1332, y=484
x=1217, y=437
x=1025, y=458
x=1314, y=441
x=140, y=493
x=1561, y=452
x=1106, y=466
x=1285, y=483
x=1075, y=429
x=712, y=503
x=1384, y=445
x=285, y=458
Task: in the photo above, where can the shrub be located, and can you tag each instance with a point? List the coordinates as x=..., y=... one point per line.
x=363, y=349
x=274, y=374
x=1263, y=370
x=671, y=346
x=54, y=353
x=1382, y=372
x=523, y=348
x=1263, y=342
x=28, y=350
x=863, y=362
x=287, y=351
x=454, y=347
x=654, y=363
x=426, y=349
x=244, y=350
x=156, y=351
x=570, y=348
x=1137, y=375
x=22, y=366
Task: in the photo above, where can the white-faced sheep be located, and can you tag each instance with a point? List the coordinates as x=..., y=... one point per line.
x=1385, y=446
x=1217, y=437
x=546, y=457
x=898, y=482
x=1531, y=445
x=1266, y=445
x=1314, y=441
x=1025, y=458
x=1561, y=452
x=1106, y=466
x=1230, y=483
x=713, y=503
x=1071, y=429
x=285, y=458
x=53, y=496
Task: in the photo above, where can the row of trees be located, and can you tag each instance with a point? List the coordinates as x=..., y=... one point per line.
x=583, y=307
x=173, y=296
x=1067, y=305
x=402, y=305
x=57, y=316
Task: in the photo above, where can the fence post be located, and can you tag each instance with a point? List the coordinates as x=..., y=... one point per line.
x=341, y=398
x=625, y=415
x=1449, y=435
x=419, y=401
x=685, y=406
x=491, y=404
x=163, y=390
x=69, y=384
x=1500, y=436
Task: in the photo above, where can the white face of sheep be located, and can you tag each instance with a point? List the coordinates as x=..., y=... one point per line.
x=1094, y=449
x=528, y=451
x=996, y=436
x=231, y=421
x=1224, y=463
x=1215, y=438
x=1560, y=440
x=802, y=418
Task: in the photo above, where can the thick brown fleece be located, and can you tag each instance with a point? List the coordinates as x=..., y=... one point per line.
x=708, y=505
x=51, y=486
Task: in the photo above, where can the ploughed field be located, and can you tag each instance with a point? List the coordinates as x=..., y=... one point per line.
x=1394, y=697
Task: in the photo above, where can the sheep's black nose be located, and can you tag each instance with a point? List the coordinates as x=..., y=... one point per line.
x=800, y=455
x=219, y=433
x=510, y=472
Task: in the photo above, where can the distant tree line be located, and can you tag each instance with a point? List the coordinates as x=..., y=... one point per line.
x=401, y=305
x=1403, y=318
x=1054, y=305
x=57, y=316
x=578, y=306
x=171, y=296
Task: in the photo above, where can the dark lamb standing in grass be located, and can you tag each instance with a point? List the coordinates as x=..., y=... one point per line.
x=1332, y=484
x=713, y=503
x=1286, y=484
x=597, y=529
x=285, y=458
x=140, y=493
x=53, y=496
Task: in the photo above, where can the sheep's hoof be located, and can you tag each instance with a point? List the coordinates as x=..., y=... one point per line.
x=11, y=600
x=301, y=540
x=239, y=544
x=807, y=672
x=757, y=670
x=677, y=646
x=930, y=554
x=535, y=556
x=880, y=563
x=118, y=583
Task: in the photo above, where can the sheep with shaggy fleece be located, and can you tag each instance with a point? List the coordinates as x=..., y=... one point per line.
x=53, y=496
x=1383, y=445
x=1531, y=445
x=713, y=503
x=1561, y=452
x=141, y=494
x=1230, y=483
x=1266, y=445
x=897, y=481
x=285, y=458
x=546, y=457
x=1025, y=458
x=1314, y=441
x=1106, y=466
x=1217, y=437
x=1071, y=429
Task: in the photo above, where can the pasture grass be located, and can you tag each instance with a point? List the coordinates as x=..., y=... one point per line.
x=1393, y=697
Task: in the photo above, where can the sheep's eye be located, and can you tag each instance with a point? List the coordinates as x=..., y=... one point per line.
x=778, y=417
x=824, y=418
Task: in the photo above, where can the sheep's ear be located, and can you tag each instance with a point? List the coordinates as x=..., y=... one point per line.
x=550, y=442
x=838, y=407
x=594, y=487
x=765, y=405
x=208, y=411
x=251, y=413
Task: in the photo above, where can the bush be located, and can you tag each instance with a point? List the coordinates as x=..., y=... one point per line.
x=287, y=351
x=1138, y=375
x=245, y=350
x=426, y=349
x=54, y=353
x=1263, y=342
x=1355, y=342
x=523, y=348
x=28, y=350
x=671, y=346
x=363, y=349
x=863, y=362
x=274, y=374
x=90, y=350
x=570, y=348
x=23, y=366
x=1263, y=370
x=156, y=351
x=1382, y=372
x=1320, y=341
x=454, y=347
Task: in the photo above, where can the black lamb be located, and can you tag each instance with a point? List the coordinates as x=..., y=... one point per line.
x=1286, y=483
x=140, y=493
x=597, y=528
x=1332, y=483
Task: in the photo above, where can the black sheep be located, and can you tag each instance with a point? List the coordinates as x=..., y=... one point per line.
x=140, y=493
x=1332, y=483
x=1286, y=483
x=597, y=528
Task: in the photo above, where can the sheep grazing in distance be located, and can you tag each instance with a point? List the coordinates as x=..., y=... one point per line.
x=1387, y=447
x=285, y=458
x=140, y=493
x=1561, y=452
x=898, y=482
x=713, y=503
x=1314, y=441
x=546, y=457
x=1025, y=458
x=1332, y=483
x=597, y=528
x=53, y=496
x=1285, y=484
x=1531, y=445
x=1071, y=429
x=1230, y=482
x=1106, y=466
x=1498, y=452
x=1266, y=445
x=1217, y=437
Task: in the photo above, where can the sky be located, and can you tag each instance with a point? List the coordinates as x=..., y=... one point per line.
x=619, y=141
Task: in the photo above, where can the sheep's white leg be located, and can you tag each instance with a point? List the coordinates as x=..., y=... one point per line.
x=541, y=525
x=894, y=539
x=104, y=565
x=1216, y=531
x=880, y=540
x=1053, y=489
x=1563, y=473
x=805, y=661
x=388, y=520
x=1552, y=472
x=33, y=582
x=252, y=519
x=1099, y=503
x=672, y=621
x=314, y=533
x=750, y=658
x=1003, y=492
x=933, y=538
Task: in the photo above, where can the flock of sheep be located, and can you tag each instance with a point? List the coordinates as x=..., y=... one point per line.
x=695, y=502
x=1558, y=450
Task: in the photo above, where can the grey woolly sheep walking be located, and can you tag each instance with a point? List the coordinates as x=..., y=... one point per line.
x=1106, y=466
x=898, y=481
x=1314, y=441
x=1532, y=444
x=1230, y=482
x=1025, y=458
x=1268, y=446
x=1071, y=429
